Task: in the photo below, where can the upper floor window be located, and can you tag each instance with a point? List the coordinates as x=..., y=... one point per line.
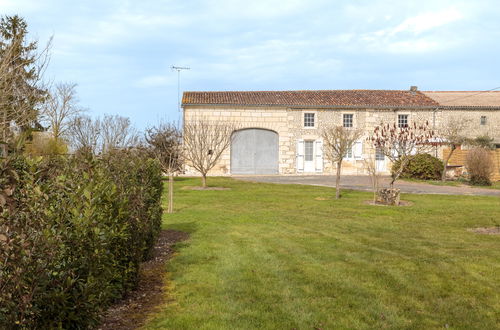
x=309, y=119
x=483, y=120
x=402, y=120
x=348, y=120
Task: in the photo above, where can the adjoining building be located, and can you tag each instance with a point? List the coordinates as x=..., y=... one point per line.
x=280, y=131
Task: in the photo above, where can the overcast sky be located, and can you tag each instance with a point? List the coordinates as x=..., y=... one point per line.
x=120, y=52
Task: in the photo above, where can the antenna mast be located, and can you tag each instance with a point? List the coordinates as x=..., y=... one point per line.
x=179, y=69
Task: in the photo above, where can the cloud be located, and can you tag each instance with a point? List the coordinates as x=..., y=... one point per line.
x=425, y=22
x=418, y=34
x=19, y=6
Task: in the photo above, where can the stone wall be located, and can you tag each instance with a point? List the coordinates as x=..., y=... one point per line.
x=288, y=123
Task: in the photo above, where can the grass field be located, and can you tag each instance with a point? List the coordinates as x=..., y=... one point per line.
x=282, y=257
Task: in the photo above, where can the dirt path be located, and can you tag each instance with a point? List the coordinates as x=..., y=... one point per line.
x=358, y=182
x=132, y=311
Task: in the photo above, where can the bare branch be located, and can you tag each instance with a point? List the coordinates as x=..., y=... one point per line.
x=205, y=141
x=60, y=109
x=338, y=141
x=398, y=143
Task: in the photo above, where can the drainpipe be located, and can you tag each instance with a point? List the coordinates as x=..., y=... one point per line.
x=434, y=129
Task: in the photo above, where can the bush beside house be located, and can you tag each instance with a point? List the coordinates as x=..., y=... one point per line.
x=421, y=166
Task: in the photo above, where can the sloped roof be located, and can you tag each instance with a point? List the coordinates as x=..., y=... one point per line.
x=465, y=98
x=321, y=98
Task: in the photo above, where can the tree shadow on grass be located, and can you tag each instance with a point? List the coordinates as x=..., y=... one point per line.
x=187, y=227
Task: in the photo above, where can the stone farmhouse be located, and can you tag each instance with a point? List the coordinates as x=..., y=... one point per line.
x=280, y=131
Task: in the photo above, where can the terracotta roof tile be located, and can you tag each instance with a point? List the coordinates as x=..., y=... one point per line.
x=466, y=98
x=322, y=98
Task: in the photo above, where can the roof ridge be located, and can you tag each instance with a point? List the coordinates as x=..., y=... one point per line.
x=304, y=90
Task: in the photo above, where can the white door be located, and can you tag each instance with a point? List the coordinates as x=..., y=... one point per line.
x=309, y=156
x=380, y=160
x=309, y=165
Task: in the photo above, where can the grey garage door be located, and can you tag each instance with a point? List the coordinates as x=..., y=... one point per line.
x=254, y=151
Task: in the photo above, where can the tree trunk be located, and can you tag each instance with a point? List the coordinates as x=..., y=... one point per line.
x=445, y=163
x=375, y=188
x=337, y=180
x=170, y=193
x=203, y=180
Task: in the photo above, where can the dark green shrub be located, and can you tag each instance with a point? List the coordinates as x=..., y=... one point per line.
x=421, y=166
x=73, y=231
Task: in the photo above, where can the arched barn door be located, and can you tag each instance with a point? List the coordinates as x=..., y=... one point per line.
x=254, y=151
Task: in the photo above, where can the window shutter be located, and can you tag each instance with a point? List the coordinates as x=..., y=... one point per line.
x=319, y=155
x=358, y=150
x=300, y=156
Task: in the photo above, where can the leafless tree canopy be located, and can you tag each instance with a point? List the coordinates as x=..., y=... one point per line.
x=337, y=141
x=117, y=132
x=204, y=143
x=165, y=142
x=85, y=133
x=401, y=142
x=453, y=134
x=370, y=164
x=102, y=135
x=60, y=109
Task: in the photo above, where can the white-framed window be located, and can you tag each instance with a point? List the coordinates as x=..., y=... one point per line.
x=483, y=120
x=349, y=154
x=348, y=120
x=308, y=150
x=402, y=121
x=379, y=155
x=356, y=152
x=309, y=119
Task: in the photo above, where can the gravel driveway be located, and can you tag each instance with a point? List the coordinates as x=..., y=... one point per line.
x=358, y=182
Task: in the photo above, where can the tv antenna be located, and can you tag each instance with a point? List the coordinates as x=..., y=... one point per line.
x=179, y=69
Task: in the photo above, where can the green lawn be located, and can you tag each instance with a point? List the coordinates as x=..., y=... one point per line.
x=274, y=257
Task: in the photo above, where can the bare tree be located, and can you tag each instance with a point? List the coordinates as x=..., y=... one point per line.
x=204, y=143
x=338, y=141
x=370, y=163
x=102, y=135
x=453, y=134
x=60, y=109
x=398, y=143
x=85, y=133
x=117, y=132
x=165, y=142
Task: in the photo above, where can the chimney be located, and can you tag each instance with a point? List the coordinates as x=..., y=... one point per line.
x=413, y=89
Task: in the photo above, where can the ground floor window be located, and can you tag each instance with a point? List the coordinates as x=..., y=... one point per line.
x=379, y=155
x=308, y=150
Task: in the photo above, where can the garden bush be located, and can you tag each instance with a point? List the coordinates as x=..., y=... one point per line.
x=421, y=166
x=73, y=231
x=479, y=166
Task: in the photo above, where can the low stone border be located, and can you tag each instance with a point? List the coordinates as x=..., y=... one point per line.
x=401, y=203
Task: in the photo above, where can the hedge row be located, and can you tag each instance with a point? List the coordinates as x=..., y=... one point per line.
x=73, y=231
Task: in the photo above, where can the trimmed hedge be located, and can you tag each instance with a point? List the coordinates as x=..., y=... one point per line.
x=421, y=166
x=73, y=231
